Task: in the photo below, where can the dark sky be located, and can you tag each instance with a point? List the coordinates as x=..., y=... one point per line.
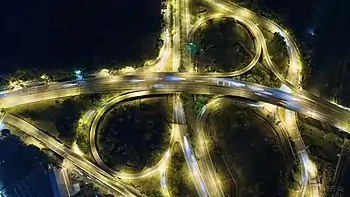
x=46, y=33
x=296, y=13
x=65, y=33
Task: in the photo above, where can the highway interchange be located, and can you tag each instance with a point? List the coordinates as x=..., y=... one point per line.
x=152, y=80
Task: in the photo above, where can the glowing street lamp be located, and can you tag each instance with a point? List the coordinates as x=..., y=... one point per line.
x=78, y=72
x=78, y=75
x=44, y=77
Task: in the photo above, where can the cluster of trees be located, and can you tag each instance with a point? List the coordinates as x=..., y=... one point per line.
x=134, y=134
x=88, y=189
x=179, y=181
x=260, y=75
x=323, y=146
x=192, y=105
x=222, y=46
x=64, y=115
x=278, y=50
x=83, y=138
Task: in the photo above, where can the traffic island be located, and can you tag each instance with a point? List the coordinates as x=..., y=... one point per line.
x=221, y=45
x=247, y=155
x=179, y=179
x=134, y=136
x=277, y=47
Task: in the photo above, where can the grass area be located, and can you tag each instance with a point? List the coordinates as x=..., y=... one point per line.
x=249, y=146
x=135, y=135
x=178, y=175
x=323, y=145
x=222, y=45
x=58, y=117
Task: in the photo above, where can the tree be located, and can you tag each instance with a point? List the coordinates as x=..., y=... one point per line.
x=5, y=132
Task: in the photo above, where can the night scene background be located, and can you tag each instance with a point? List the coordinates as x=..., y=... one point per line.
x=60, y=36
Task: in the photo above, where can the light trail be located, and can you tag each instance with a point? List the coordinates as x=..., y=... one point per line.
x=208, y=86
x=92, y=139
x=197, y=85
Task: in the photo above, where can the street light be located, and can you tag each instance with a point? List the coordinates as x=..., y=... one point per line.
x=77, y=72
x=78, y=75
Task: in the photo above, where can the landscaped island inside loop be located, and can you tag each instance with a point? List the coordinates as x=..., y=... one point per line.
x=222, y=45
x=247, y=153
x=134, y=135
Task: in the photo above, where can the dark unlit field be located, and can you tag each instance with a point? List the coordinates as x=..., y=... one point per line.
x=251, y=151
x=135, y=135
x=222, y=45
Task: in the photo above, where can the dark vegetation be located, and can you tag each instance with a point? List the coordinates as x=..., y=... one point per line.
x=305, y=19
x=23, y=164
x=87, y=190
x=59, y=118
x=149, y=186
x=223, y=45
x=261, y=75
x=324, y=144
x=279, y=55
x=179, y=180
x=90, y=190
x=326, y=53
x=135, y=134
x=192, y=105
x=250, y=148
x=62, y=35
